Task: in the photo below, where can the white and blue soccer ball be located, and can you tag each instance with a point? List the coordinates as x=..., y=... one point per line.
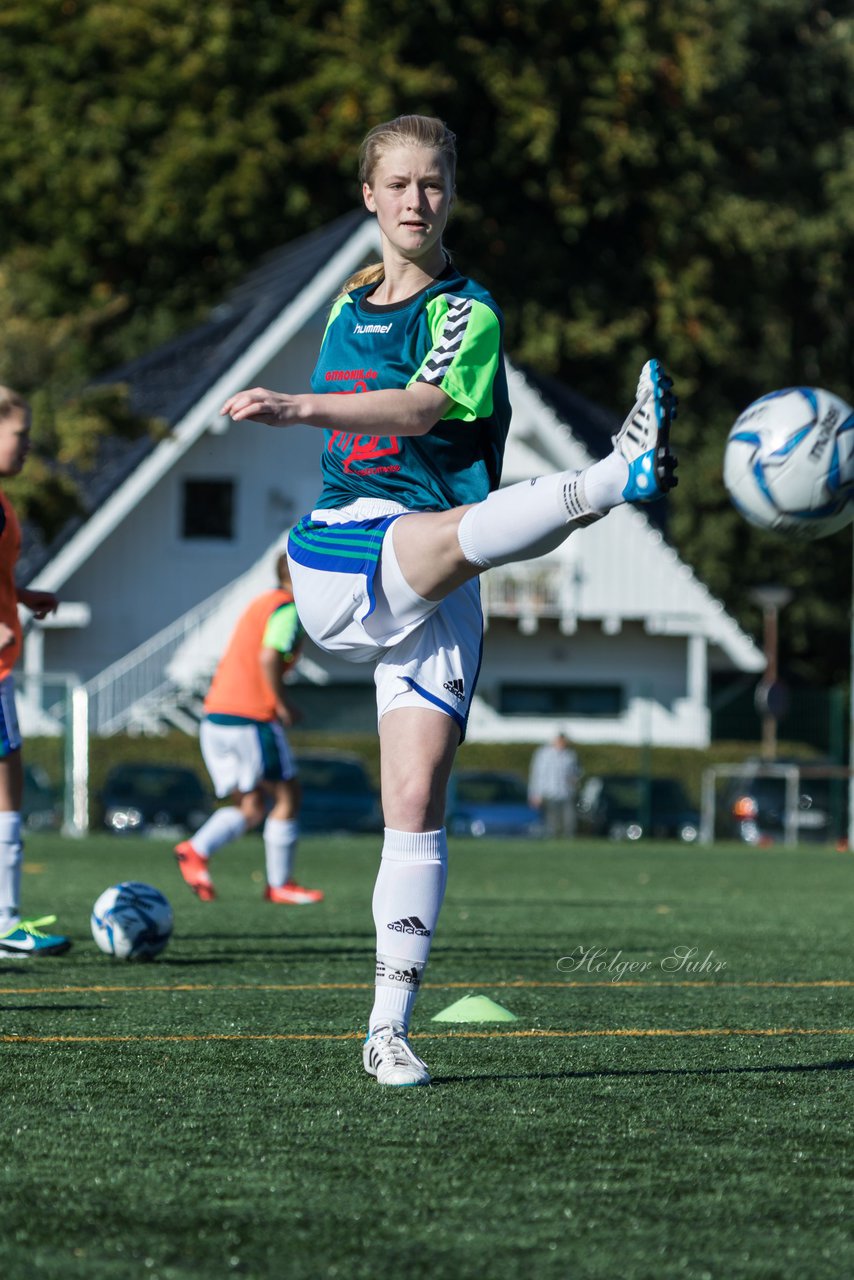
x=131, y=921
x=789, y=462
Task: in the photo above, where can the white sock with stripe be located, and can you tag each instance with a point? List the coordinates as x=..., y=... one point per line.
x=223, y=825
x=280, y=843
x=407, y=899
x=11, y=860
x=533, y=517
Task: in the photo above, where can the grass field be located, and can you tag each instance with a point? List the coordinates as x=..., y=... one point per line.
x=207, y=1115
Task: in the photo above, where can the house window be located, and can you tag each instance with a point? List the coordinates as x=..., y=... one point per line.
x=560, y=700
x=208, y=509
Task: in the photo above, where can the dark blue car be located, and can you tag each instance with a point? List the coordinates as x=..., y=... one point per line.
x=488, y=802
x=337, y=794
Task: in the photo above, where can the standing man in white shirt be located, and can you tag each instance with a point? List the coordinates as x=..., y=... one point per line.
x=552, y=784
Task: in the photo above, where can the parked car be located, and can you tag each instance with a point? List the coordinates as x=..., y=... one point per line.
x=153, y=799
x=41, y=807
x=487, y=802
x=752, y=806
x=616, y=806
x=337, y=794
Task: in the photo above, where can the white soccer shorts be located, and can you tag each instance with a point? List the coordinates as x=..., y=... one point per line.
x=353, y=600
x=240, y=756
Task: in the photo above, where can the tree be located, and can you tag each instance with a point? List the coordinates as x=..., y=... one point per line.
x=670, y=176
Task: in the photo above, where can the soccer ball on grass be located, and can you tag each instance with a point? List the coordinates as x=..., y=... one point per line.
x=131, y=921
x=789, y=462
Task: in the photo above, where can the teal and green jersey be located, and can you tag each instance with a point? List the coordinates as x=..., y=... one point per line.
x=449, y=334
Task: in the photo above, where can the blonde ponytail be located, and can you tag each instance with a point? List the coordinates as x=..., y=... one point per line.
x=365, y=275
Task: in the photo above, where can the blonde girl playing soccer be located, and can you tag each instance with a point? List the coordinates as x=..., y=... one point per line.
x=410, y=392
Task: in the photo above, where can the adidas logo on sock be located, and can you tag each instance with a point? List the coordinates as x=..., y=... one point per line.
x=456, y=687
x=410, y=924
x=387, y=976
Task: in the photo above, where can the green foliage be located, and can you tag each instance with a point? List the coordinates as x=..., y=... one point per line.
x=635, y=177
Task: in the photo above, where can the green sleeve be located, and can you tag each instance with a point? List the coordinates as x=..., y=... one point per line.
x=465, y=355
x=283, y=631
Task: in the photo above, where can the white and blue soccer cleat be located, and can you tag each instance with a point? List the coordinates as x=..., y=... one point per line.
x=644, y=438
x=387, y=1056
x=26, y=939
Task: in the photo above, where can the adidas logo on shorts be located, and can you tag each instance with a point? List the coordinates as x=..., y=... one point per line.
x=456, y=687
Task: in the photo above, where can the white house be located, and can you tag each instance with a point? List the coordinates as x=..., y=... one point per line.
x=613, y=637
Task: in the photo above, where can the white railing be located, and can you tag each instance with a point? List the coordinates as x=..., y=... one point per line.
x=139, y=680
x=133, y=688
x=527, y=594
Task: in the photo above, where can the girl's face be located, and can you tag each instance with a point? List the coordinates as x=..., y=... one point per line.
x=14, y=442
x=411, y=194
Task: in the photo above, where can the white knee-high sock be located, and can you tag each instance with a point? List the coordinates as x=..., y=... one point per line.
x=533, y=517
x=407, y=900
x=223, y=825
x=280, y=843
x=11, y=858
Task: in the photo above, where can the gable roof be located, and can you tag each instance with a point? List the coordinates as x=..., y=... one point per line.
x=629, y=549
x=183, y=382
x=169, y=381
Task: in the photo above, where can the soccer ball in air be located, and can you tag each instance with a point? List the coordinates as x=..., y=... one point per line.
x=789, y=462
x=131, y=921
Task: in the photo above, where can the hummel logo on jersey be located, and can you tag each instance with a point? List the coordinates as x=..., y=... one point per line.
x=372, y=328
x=456, y=687
x=410, y=924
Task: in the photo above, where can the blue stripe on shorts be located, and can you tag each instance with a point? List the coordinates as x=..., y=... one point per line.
x=10, y=734
x=354, y=546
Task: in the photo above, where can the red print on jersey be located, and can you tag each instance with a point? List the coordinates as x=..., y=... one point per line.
x=357, y=448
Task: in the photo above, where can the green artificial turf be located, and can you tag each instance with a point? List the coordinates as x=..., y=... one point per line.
x=207, y=1115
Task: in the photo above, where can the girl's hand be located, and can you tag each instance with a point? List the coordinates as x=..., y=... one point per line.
x=271, y=407
x=40, y=603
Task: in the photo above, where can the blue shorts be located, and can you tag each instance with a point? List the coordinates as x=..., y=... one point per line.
x=10, y=734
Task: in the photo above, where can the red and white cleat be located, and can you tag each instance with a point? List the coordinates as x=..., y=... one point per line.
x=194, y=868
x=292, y=895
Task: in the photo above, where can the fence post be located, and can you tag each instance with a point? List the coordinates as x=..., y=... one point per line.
x=77, y=795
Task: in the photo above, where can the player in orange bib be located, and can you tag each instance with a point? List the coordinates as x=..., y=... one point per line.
x=19, y=938
x=246, y=751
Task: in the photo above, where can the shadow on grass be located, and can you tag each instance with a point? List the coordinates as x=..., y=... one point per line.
x=273, y=954
x=240, y=938
x=837, y=1064
x=50, y=1008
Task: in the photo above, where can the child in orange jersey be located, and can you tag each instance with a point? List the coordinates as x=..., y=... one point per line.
x=245, y=748
x=18, y=938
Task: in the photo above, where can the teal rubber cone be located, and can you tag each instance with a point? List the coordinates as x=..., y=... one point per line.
x=475, y=1009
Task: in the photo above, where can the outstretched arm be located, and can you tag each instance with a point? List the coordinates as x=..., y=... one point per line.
x=410, y=412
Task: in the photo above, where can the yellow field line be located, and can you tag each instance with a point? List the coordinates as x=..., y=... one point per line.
x=437, y=1035
x=102, y=989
